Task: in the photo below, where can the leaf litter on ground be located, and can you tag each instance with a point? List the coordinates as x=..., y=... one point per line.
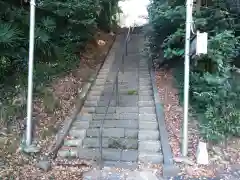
x=64, y=91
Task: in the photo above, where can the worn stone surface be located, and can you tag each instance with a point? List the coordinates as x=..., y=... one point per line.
x=129, y=155
x=131, y=133
x=149, y=146
x=44, y=165
x=31, y=149
x=73, y=142
x=148, y=135
x=146, y=157
x=112, y=154
x=129, y=130
x=148, y=125
x=78, y=133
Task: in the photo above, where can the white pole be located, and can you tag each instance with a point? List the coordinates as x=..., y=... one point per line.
x=186, y=76
x=30, y=73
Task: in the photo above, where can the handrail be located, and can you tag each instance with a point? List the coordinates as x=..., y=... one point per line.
x=115, y=88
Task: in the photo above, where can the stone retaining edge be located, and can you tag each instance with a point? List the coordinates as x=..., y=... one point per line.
x=62, y=133
x=169, y=168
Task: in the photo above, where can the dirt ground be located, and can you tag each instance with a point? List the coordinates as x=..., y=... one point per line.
x=221, y=156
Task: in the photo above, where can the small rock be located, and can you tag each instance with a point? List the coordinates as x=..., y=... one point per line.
x=217, y=150
x=44, y=165
x=183, y=160
x=31, y=149
x=2, y=164
x=112, y=34
x=101, y=42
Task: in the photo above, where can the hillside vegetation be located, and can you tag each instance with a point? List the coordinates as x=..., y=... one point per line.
x=214, y=85
x=63, y=28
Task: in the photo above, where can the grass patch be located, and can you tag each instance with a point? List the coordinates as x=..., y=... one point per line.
x=132, y=92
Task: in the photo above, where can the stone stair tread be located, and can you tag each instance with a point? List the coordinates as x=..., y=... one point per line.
x=114, y=143
x=73, y=142
x=106, y=132
x=121, y=164
x=149, y=146
x=150, y=157
x=77, y=133
x=148, y=134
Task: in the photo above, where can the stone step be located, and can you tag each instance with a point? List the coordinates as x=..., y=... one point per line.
x=147, y=110
x=145, y=135
x=146, y=103
x=145, y=87
x=90, y=103
x=73, y=142
x=147, y=117
x=107, y=132
x=84, y=117
x=130, y=109
x=113, y=132
x=145, y=93
x=77, y=133
x=149, y=146
x=145, y=98
x=97, y=88
x=145, y=83
x=147, y=157
x=148, y=125
x=95, y=93
x=108, y=154
x=105, y=116
x=103, y=110
x=121, y=164
x=93, y=98
x=77, y=125
x=144, y=75
x=88, y=110
x=67, y=152
x=115, y=143
x=132, y=124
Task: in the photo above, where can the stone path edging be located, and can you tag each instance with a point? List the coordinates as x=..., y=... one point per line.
x=66, y=125
x=169, y=168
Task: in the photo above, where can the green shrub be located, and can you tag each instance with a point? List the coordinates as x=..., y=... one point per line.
x=62, y=30
x=214, y=91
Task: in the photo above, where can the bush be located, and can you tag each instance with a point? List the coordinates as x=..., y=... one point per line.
x=214, y=91
x=62, y=30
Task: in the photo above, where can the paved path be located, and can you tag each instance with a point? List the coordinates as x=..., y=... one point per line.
x=130, y=130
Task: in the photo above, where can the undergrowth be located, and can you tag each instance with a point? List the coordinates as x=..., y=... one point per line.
x=62, y=30
x=214, y=89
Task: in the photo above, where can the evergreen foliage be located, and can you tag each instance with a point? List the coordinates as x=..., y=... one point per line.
x=62, y=29
x=214, y=90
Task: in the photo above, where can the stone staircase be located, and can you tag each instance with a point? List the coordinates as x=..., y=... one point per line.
x=130, y=130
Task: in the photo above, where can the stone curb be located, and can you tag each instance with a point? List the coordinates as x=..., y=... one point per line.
x=169, y=168
x=82, y=96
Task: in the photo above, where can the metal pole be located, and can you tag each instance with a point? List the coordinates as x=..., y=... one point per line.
x=117, y=97
x=126, y=46
x=30, y=74
x=186, y=76
x=123, y=56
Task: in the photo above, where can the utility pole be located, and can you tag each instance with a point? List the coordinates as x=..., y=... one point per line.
x=30, y=73
x=186, y=75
